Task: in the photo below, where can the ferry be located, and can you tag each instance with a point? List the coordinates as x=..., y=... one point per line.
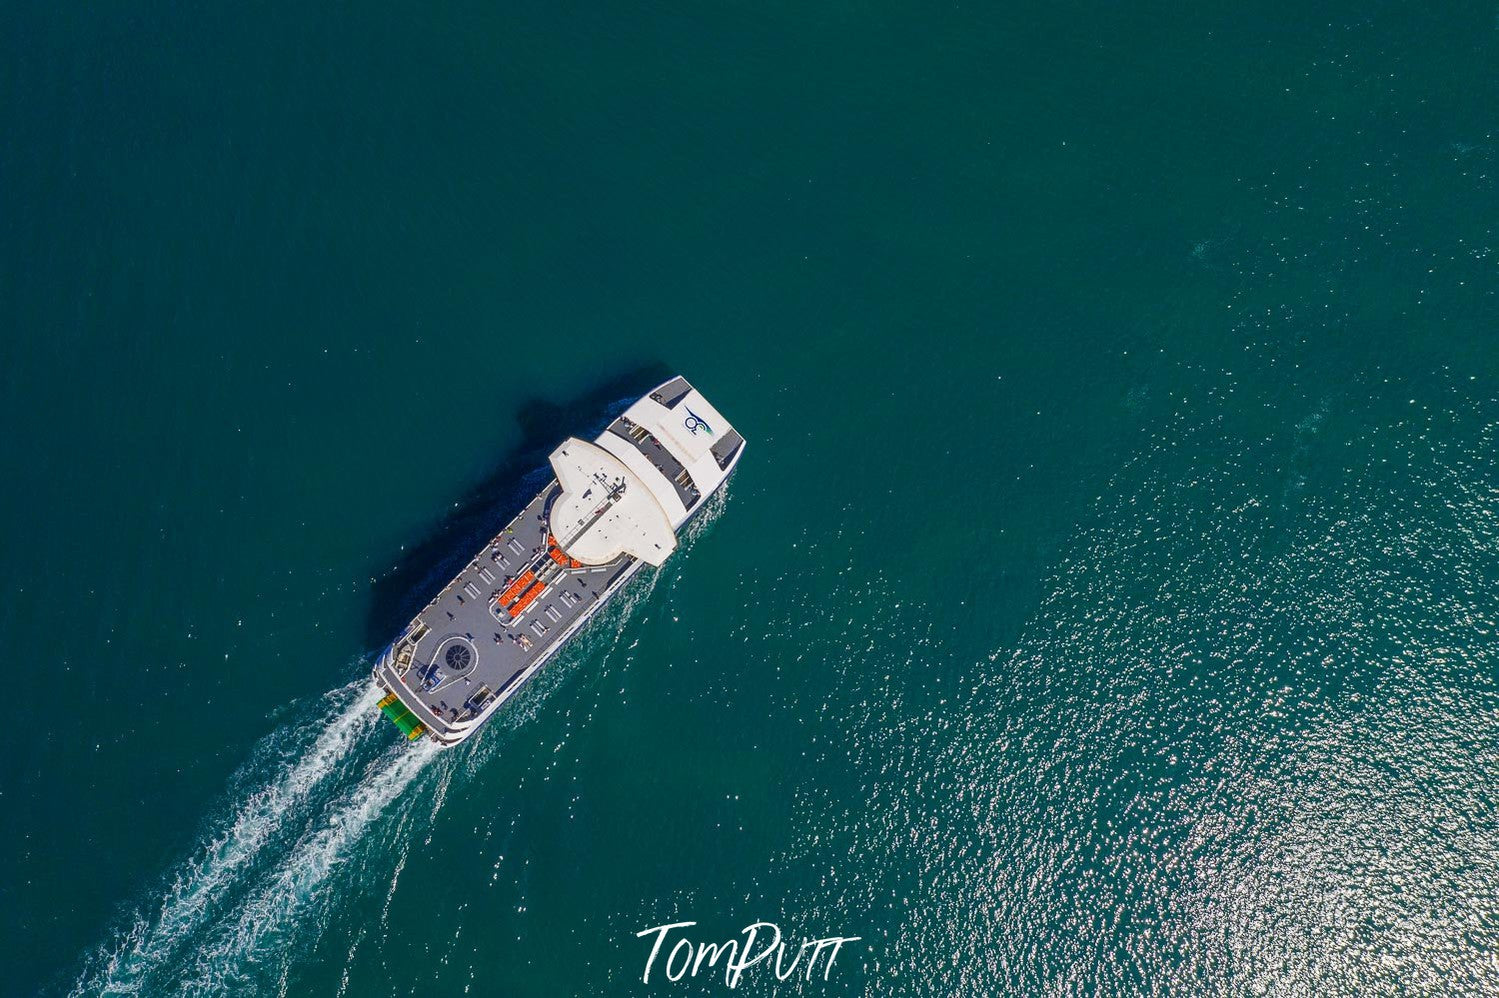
x=612, y=506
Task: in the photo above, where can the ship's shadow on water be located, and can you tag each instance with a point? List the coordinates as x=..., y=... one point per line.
x=421, y=568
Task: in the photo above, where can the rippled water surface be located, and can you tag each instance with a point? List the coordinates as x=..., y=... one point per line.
x=1105, y=603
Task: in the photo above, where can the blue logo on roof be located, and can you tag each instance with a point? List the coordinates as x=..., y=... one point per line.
x=694, y=422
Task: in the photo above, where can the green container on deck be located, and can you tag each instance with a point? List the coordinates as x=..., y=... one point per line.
x=410, y=725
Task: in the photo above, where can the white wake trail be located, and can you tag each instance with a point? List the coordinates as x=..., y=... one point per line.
x=218, y=867
x=280, y=903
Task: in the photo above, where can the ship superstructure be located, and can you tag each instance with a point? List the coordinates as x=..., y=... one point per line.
x=613, y=505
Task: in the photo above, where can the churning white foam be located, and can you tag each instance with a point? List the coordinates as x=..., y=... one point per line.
x=279, y=902
x=220, y=864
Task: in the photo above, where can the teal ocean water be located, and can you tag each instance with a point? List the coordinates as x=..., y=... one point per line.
x=1105, y=604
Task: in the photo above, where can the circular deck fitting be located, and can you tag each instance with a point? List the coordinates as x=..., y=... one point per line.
x=458, y=657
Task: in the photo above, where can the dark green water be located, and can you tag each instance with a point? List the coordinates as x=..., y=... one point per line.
x=1106, y=602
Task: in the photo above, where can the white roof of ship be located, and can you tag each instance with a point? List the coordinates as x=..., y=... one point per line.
x=606, y=510
x=687, y=425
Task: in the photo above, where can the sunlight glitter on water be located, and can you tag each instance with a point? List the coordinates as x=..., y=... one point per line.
x=1223, y=758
